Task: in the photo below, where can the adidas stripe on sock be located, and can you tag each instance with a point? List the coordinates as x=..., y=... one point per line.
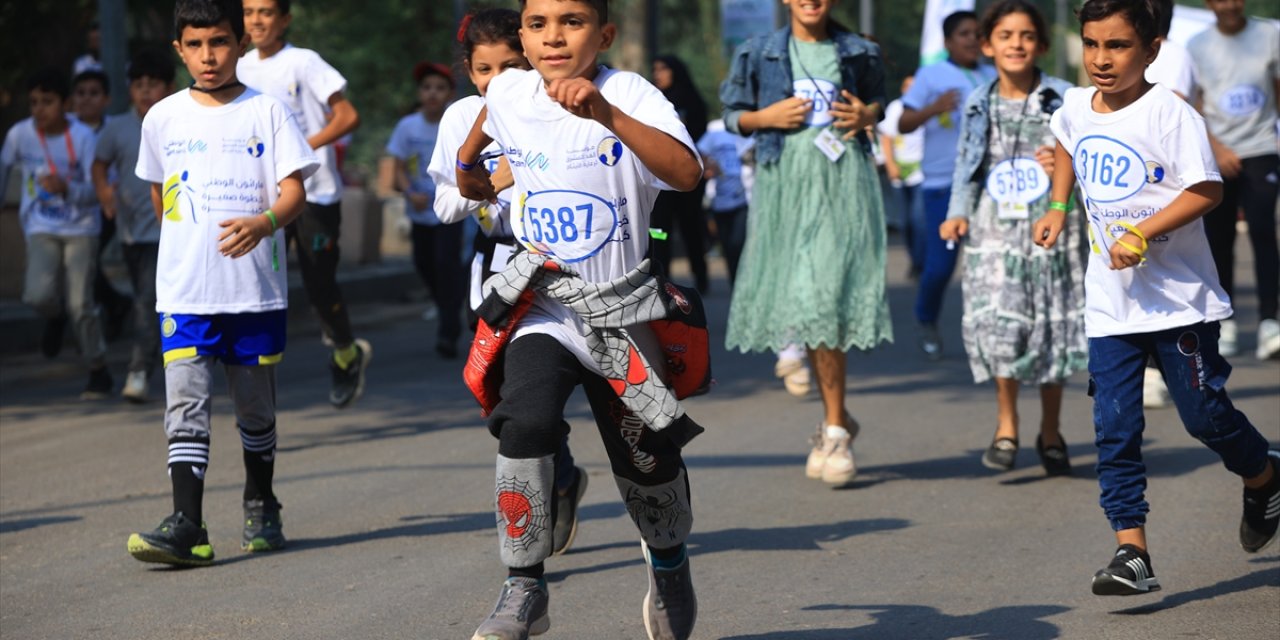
x=259, y=462
x=188, y=460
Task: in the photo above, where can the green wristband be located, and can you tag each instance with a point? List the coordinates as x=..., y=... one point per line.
x=1059, y=206
x=271, y=215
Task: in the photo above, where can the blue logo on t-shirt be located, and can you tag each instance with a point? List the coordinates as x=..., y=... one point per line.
x=609, y=151
x=255, y=147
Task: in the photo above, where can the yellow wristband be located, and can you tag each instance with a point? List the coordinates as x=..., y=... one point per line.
x=271, y=215
x=1135, y=231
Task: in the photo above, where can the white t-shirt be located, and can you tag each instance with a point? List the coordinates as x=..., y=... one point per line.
x=450, y=206
x=942, y=133
x=1130, y=164
x=908, y=148
x=305, y=82
x=1173, y=69
x=74, y=213
x=585, y=197
x=412, y=142
x=217, y=163
x=1237, y=74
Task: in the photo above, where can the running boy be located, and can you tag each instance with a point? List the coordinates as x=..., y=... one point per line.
x=313, y=90
x=128, y=203
x=226, y=165
x=1148, y=176
x=588, y=173
x=59, y=221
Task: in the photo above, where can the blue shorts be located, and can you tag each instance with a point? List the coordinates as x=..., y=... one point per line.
x=245, y=339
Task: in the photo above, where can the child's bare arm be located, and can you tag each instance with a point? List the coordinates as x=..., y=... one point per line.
x=106, y=193
x=1192, y=203
x=242, y=234
x=786, y=114
x=474, y=183
x=669, y=159
x=157, y=200
x=1046, y=230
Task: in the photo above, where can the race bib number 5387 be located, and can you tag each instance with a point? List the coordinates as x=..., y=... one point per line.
x=570, y=225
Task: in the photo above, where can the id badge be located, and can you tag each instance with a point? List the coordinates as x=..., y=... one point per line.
x=1012, y=211
x=830, y=145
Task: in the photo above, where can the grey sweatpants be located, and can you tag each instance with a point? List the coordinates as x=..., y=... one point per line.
x=188, y=383
x=57, y=263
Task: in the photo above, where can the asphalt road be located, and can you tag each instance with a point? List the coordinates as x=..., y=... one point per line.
x=388, y=510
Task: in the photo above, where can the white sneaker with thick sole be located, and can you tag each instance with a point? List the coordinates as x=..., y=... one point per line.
x=831, y=458
x=795, y=375
x=135, y=387
x=1155, y=394
x=1228, y=338
x=1268, y=339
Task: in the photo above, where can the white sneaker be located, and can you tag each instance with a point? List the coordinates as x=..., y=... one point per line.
x=1268, y=339
x=135, y=387
x=795, y=375
x=831, y=459
x=1155, y=395
x=1228, y=339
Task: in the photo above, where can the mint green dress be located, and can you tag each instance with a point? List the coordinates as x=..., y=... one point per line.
x=813, y=268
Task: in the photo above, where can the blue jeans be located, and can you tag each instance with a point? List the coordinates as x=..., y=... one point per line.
x=1196, y=375
x=939, y=261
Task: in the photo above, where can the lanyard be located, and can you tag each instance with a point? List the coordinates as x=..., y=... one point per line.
x=995, y=115
x=71, y=151
x=974, y=79
x=800, y=62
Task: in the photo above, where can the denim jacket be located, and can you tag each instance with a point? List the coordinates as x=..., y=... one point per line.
x=971, y=161
x=761, y=75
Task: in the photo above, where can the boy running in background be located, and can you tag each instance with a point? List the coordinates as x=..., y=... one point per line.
x=128, y=204
x=589, y=173
x=1147, y=173
x=60, y=222
x=313, y=90
x=226, y=165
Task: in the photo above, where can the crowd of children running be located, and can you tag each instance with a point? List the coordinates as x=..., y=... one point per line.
x=1095, y=228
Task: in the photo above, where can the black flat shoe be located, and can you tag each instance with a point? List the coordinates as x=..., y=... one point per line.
x=1054, y=458
x=1001, y=455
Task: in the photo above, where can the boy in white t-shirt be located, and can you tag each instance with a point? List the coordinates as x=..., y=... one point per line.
x=226, y=165
x=314, y=91
x=1147, y=175
x=590, y=148
x=59, y=221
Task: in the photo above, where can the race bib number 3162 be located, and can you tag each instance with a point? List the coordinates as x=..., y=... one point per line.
x=570, y=225
x=1108, y=170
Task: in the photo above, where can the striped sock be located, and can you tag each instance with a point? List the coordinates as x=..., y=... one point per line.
x=188, y=460
x=259, y=462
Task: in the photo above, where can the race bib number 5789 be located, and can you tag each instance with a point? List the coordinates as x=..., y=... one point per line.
x=570, y=225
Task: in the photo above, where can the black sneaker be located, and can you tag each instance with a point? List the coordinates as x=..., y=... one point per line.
x=930, y=342
x=1054, y=458
x=521, y=611
x=670, y=606
x=100, y=384
x=566, y=524
x=1128, y=574
x=348, y=383
x=263, y=530
x=176, y=541
x=1261, y=511
x=1001, y=454
x=51, y=341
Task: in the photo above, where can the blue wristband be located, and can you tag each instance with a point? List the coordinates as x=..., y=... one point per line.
x=467, y=167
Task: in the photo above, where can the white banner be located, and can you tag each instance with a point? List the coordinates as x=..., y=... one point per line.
x=741, y=19
x=931, y=47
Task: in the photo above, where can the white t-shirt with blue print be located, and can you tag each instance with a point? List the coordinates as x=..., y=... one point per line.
x=1129, y=165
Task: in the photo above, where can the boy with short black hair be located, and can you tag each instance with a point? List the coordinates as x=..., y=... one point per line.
x=1141, y=157
x=314, y=91
x=59, y=220
x=579, y=306
x=128, y=203
x=226, y=165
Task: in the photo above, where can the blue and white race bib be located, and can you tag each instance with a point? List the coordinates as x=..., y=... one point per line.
x=570, y=225
x=1242, y=100
x=1014, y=184
x=823, y=93
x=1108, y=170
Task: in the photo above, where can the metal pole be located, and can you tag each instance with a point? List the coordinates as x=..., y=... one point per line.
x=1060, y=29
x=115, y=51
x=651, y=30
x=867, y=17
